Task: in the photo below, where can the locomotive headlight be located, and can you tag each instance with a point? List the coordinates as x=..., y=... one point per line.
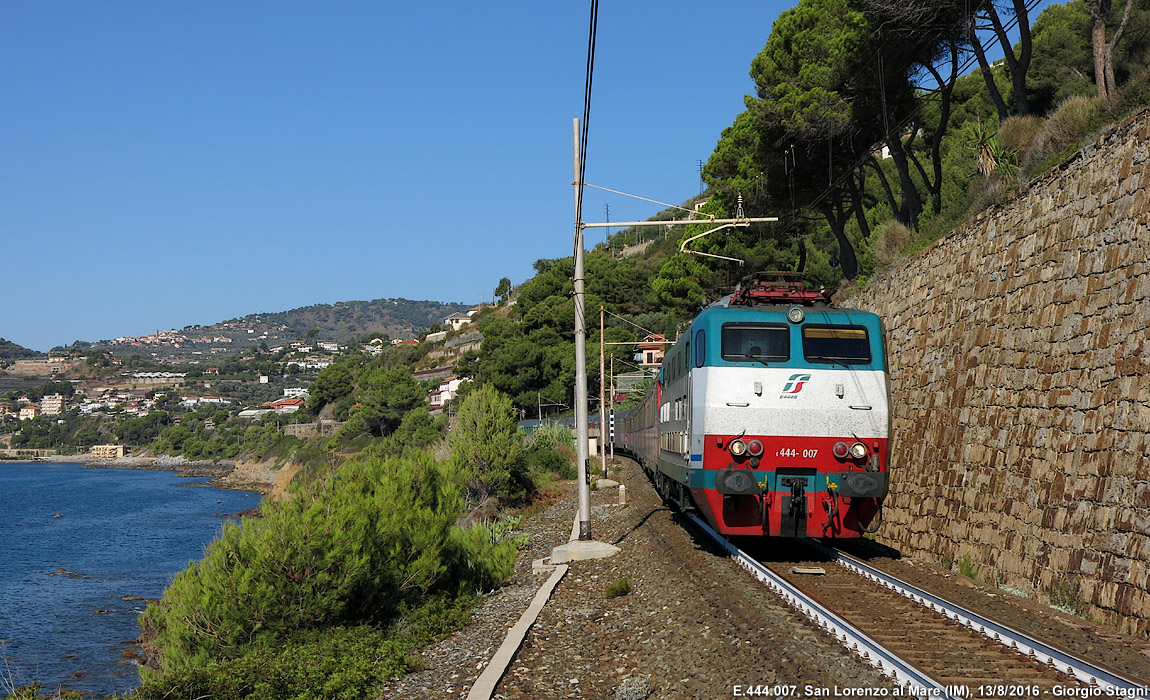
x=738, y=448
x=795, y=314
x=858, y=450
x=755, y=448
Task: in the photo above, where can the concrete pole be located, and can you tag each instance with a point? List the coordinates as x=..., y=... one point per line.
x=612, y=403
x=581, y=436
x=602, y=402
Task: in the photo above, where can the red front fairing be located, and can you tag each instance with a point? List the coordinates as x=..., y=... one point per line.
x=823, y=512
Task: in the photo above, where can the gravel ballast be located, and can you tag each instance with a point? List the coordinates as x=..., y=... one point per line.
x=694, y=624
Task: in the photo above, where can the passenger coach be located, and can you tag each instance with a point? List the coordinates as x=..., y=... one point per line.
x=771, y=414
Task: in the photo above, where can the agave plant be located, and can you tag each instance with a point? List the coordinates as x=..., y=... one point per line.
x=990, y=155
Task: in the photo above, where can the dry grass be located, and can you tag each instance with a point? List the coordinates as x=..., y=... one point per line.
x=889, y=241
x=1016, y=134
x=1074, y=119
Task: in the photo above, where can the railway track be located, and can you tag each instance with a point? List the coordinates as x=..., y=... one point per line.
x=928, y=646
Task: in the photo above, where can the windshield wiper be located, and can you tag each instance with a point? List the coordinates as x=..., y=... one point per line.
x=756, y=358
x=828, y=360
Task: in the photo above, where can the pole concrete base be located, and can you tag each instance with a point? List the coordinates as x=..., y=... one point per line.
x=580, y=550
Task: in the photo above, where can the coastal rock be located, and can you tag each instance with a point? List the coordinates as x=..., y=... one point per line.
x=60, y=571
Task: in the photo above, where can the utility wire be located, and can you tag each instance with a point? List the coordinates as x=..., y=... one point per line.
x=626, y=320
x=591, y=35
x=645, y=199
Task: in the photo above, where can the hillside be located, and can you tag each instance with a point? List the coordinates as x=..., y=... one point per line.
x=346, y=320
x=12, y=351
x=343, y=321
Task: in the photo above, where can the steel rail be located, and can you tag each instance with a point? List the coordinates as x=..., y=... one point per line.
x=914, y=682
x=1083, y=670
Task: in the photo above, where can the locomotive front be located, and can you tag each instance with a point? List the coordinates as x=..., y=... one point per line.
x=779, y=425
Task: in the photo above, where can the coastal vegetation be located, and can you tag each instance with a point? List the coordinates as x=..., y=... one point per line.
x=363, y=565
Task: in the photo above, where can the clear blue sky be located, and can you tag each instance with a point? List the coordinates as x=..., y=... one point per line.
x=173, y=163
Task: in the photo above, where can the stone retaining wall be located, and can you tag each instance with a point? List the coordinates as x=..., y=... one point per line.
x=311, y=430
x=1020, y=364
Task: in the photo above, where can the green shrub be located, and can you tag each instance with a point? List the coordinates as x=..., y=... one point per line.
x=338, y=663
x=546, y=459
x=968, y=567
x=551, y=450
x=554, y=436
x=418, y=430
x=620, y=587
x=488, y=448
x=357, y=547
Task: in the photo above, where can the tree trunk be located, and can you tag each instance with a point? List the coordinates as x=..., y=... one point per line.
x=832, y=210
x=945, y=91
x=1099, y=9
x=890, y=198
x=911, y=202
x=1104, y=50
x=1018, y=64
x=988, y=77
x=856, y=192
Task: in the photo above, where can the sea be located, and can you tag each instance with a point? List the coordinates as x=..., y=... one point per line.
x=79, y=549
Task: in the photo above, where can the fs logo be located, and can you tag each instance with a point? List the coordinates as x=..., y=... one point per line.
x=795, y=385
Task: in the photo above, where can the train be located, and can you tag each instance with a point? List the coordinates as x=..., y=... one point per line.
x=770, y=414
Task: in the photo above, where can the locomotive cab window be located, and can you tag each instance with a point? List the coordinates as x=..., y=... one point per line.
x=837, y=344
x=756, y=342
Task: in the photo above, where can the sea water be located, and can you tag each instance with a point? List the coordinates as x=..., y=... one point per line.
x=77, y=547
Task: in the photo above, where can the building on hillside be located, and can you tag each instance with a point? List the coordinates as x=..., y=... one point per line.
x=435, y=337
x=284, y=405
x=52, y=405
x=447, y=390
x=158, y=378
x=193, y=401
x=295, y=392
x=253, y=413
x=457, y=321
x=108, y=451
x=649, y=352
x=29, y=412
x=408, y=341
x=329, y=345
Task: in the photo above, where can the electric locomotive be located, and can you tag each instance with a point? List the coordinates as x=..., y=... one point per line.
x=771, y=414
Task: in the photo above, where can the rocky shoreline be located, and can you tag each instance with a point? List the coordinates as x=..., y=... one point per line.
x=226, y=474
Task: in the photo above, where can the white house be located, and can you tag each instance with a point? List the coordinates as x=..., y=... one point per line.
x=447, y=390
x=457, y=321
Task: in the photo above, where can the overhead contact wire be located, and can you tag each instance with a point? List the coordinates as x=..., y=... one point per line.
x=592, y=30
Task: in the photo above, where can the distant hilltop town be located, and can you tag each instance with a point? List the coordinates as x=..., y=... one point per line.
x=340, y=323
x=251, y=384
